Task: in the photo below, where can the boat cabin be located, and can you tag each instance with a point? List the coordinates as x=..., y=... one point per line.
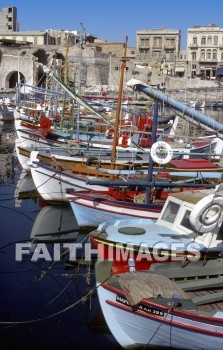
x=177, y=215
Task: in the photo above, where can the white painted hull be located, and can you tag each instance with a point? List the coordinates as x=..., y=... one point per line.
x=31, y=139
x=52, y=184
x=134, y=328
x=93, y=212
x=23, y=160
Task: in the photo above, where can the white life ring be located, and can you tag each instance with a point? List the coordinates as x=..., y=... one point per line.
x=124, y=141
x=161, y=152
x=199, y=220
x=109, y=133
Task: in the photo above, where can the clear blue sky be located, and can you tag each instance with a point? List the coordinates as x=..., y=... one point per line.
x=113, y=20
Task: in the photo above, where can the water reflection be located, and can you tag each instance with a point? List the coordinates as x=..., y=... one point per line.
x=214, y=112
x=55, y=223
x=43, y=303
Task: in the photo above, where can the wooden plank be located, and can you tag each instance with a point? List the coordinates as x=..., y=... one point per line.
x=198, y=268
x=207, y=299
x=201, y=284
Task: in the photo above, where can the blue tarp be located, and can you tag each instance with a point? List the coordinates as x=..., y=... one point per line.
x=219, y=71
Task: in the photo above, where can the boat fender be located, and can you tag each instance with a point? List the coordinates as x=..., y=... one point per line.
x=91, y=160
x=109, y=133
x=161, y=152
x=124, y=141
x=199, y=218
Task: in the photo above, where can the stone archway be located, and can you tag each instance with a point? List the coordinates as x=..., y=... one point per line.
x=41, y=56
x=12, y=79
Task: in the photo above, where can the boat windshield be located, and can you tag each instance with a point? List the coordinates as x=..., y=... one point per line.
x=170, y=212
x=186, y=220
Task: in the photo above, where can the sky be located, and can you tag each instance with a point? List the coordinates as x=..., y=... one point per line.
x=114, y=20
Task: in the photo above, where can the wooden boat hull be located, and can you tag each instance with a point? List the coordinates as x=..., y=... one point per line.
x=92, y=211
x=151, y=322
x=53, y=184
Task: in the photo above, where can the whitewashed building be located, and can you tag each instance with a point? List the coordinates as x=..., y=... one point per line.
x=205, y=50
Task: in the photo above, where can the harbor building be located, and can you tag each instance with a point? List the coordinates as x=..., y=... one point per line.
x=161, y=45
x=8, y=20
x=205, y=50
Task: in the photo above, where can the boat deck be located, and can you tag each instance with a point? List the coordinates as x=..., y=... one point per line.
x=200, y=284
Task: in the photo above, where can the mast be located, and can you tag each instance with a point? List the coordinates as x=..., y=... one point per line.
x=66, y=59
x=79, y=78
x=153, y=140
x=118, y=110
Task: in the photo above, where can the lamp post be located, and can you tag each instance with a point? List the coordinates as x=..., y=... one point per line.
x=18, y=74
x=163, y=62
x=18, y=80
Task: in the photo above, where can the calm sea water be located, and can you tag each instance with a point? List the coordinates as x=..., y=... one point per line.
x=39, y=301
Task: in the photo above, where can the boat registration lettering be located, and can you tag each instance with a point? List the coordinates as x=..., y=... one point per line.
x=102, y=216
x=33, y=137
x=122, y=300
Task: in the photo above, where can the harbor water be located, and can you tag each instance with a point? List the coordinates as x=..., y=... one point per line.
x=44, y=304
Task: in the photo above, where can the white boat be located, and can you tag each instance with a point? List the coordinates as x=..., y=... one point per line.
x=175, y=306
x=91, y=208
x=53, y=184
x=187, y=228
x=94, y=207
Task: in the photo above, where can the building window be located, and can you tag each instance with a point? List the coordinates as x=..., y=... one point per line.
x=157, y=42
x=215, y=40
x=222, y=56
x=194, y=40
x=147, y=42
x=209, y=40
x=202, y=55
x=203, y=40
x=10, y=19
x=116, y=68
x=156, y=55
x=167, y=56
x=214, y=55
x=142, y=42
x=194, y=56
x=208, y=54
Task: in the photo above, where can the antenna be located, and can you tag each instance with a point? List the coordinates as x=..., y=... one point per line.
x=82, y=26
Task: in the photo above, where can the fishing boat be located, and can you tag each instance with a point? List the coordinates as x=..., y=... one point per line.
x=94, y=207
x=188, y=225
x=173, y=306
x=52, y=183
